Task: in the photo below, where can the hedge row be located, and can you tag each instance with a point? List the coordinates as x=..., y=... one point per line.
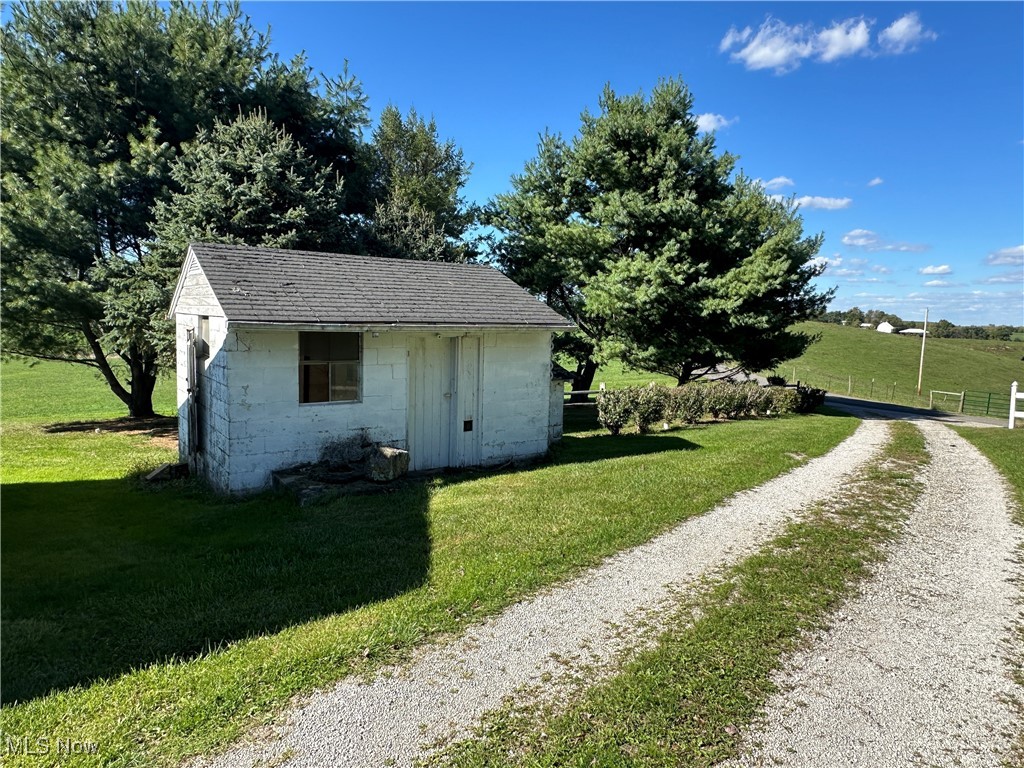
x=644, y=406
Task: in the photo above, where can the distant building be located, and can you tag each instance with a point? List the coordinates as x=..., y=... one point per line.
x=885, y=327
x=913, y=332
x=867, y=325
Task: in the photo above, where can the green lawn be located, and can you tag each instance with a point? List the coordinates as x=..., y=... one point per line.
x=1005, y=449
x=160, y=623
x=952, y=365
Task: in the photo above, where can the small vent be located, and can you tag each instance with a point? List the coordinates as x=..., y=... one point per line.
x=467, y=425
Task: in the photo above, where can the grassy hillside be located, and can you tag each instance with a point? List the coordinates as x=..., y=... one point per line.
x=953, y=365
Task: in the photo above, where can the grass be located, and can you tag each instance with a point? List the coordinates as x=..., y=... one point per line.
x=56, y=392
x=684, y=701
x=1005, y=449
x=952, y=365
x=162, y=623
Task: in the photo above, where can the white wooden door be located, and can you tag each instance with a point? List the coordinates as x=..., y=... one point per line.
x=466, y=422
x=431, y=392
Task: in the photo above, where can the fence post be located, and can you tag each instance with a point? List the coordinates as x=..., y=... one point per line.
x=988, y=404
x=1013, y=403
x=601, y=386
x=931, y=398
x=962, y=400
x=871, y=391
x=849, y=386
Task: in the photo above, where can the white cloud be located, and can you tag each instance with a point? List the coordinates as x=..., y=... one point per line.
x=941, y=269
x=782, y=47
x=844, y=38
x=881, y=269
x=861, y=238
x=871, y=241
x=1006, y=277
x=1006, y=257
x=777, y=183
x=709, y=121
x=937, y=283
x=734, y=37
x=825, y=203
x=846, y=272
x=904, y=35
x=876, y=181
x=776, y=46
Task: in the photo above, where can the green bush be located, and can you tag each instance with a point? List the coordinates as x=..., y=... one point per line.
x=648, y=405
x=686, y=404
x=782, y=400
x=810, y=398
x=614, y=409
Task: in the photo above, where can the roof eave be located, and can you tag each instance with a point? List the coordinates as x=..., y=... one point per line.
x=258, y=325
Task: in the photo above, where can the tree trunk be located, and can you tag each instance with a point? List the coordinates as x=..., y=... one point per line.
x=583, y=379
x=139, y=398
x=140, y=405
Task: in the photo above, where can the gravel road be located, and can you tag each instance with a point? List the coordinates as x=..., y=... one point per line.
x=913, y=671
x=446, y=688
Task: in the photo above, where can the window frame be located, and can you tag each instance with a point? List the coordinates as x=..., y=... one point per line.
x=330, y=363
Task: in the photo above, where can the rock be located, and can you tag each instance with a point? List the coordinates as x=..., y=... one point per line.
x=385, y=463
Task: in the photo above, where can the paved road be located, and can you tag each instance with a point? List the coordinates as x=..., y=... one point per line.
x=868, y=409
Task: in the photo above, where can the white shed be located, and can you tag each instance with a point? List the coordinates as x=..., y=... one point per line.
x=885, y=327
x=280, y=353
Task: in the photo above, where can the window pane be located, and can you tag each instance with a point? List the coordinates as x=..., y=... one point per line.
x=344, y=346
x=315, y=346
x=314, y=383
x=345, y=381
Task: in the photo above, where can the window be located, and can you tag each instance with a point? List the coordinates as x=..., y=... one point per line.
x=203, y=338
x=328, y=367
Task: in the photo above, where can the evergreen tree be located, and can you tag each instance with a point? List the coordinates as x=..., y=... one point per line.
x=97, y=100
x=417, y=180
x=636, y=232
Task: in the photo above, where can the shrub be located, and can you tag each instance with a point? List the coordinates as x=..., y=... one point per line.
x=810, y=398
x=782, y=400
x=756, y=399
x=613, y=409
x=725, y=398
x=686, y=403
x=647, y=405
x=776, y=381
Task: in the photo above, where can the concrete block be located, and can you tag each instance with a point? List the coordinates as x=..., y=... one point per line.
x=385, y=464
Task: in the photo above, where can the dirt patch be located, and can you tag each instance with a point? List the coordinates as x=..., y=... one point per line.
x=163, y=430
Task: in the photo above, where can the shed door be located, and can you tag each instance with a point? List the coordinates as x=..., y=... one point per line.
x=466, y=435
x=431, y=392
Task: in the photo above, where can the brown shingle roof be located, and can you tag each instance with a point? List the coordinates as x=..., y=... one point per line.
x=270, y=285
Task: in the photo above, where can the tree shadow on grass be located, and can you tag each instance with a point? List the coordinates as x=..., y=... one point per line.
x=101, y=578
x=158, y=426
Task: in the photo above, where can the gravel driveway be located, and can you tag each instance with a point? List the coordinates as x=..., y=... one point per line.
x=912, y=671
x=446, y=688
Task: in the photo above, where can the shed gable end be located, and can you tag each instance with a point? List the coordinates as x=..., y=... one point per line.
x=194, y=295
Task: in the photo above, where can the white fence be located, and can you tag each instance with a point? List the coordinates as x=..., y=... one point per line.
x=1014, y=397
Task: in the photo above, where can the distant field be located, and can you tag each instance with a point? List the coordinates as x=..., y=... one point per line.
x=860, y=354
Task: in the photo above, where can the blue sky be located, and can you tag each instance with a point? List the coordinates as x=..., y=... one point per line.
x=899, y=126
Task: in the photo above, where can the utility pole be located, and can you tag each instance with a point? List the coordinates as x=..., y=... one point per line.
x=920, y=368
